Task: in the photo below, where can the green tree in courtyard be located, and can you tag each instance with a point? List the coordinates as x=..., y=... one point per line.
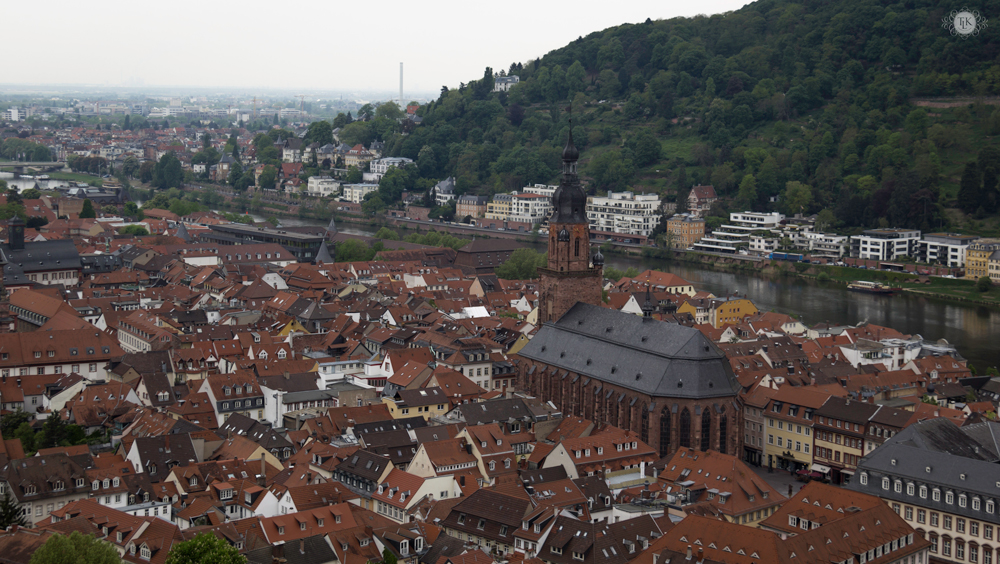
x=76, y=548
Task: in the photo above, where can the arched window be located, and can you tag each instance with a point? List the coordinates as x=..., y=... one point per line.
x=685, y=431
x=706, y=430
x=643, y=423
x=665, y=431
x=723, y=427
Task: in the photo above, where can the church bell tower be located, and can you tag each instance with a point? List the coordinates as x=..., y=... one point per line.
x=571, y=274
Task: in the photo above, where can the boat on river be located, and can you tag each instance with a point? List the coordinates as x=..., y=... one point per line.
x=870, y=287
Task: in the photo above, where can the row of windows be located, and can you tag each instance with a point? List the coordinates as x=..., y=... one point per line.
x=239, y=404
x=798, y=428
x=834, y=455
x=922, y=491
x=787, y=443
x=960, y=527
x=75, y=368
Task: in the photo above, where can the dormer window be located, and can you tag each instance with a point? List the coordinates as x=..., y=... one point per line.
x=302, y=526
x=319, y=522
x=95, y=485
x=193, y=481
x=281, y=530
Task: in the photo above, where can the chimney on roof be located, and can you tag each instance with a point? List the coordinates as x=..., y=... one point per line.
x=689, y=552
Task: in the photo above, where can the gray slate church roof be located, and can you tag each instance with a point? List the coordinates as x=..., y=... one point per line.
x=649, y=356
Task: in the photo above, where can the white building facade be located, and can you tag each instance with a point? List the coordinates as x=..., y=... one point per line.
x=322, y=186
x=885, y=244
x=356, y=192
x=624, y=212
x=530, y=208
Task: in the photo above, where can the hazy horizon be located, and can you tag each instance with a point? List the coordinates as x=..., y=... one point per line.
x=210, y=46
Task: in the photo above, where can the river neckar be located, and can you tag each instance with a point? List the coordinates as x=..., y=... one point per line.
x=969, y=327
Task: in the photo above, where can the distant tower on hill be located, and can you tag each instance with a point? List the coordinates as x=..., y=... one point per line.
x=570, y=275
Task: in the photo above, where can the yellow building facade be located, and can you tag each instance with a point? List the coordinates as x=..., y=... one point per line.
x=977, y=259
x=729, y=310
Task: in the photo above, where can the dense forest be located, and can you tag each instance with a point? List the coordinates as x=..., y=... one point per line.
x=801, y=107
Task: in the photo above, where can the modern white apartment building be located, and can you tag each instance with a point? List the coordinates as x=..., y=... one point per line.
x=947, y=248
x=885, y=244
x=826, y=245
x=542, y=189
x=322, y=186
x=624, y=212
x=736, y=234
x=356, y=192
x=530, y=208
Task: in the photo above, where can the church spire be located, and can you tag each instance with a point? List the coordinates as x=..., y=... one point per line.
x=570, y=153
x=569, y=203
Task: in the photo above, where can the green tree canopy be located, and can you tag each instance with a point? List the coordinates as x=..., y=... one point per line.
x=354, y=175
x=268, y=177
x=134, y=230
x=386, y=233
x=11, y=512
x=88, y=210
x=612, y=273
x=204, y=548
x=353, y=250
x=523, y=264
x=76, y=548
x=168, y=172
x=319, y=132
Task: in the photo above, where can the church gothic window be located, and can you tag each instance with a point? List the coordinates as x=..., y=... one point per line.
x=706, y=430
x=665, y=431
x=685, y=424
x=723, y=422
x=643, y=423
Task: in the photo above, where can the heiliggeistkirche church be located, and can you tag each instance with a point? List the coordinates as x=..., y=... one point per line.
x=668, y=383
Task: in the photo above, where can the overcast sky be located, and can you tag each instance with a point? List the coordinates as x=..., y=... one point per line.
x=308, y=45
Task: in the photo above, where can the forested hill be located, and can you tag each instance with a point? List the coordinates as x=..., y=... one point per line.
x=808, y=106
